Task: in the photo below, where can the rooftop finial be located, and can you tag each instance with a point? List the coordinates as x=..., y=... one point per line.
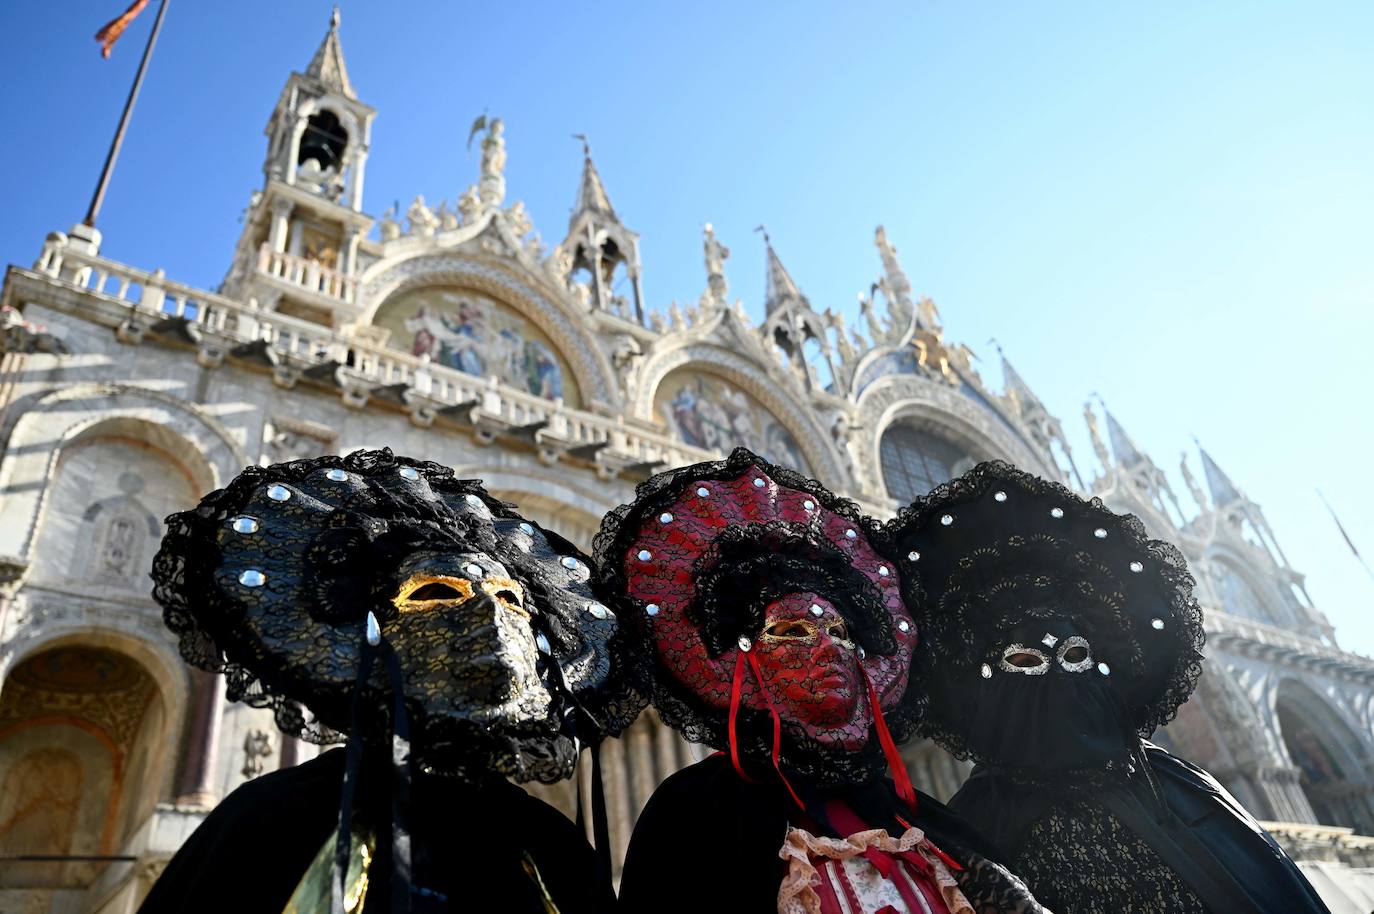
x=334, y=18
x=766, y=240
x=586, y=146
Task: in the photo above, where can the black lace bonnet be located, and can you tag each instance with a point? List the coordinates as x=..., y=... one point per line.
x=270, y=579
x=989, y=550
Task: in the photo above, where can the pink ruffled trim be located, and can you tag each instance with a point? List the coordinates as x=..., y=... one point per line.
x=797, y=895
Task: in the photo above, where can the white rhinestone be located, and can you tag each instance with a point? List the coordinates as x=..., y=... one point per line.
x=665, y=518
x=1157, y=624
x=278, y=492
x=913, y=556
x=816, y=610
x=542, y=643
x=336, y=474
x=473, y=500
x=744, y=643
x=251, y=577
x=986, y=671
x=374, y=631
x=882, y=571
x=472, y=569
x=527, y=529
x=651, y=609
x=758, y=482
x=570, y=563
x=645, y=555
x=598, y=610
x=245, y=524
x=1137, y=567
x=1056, y=513
x=809, y=505
x=1104, y=669
x=702, y=491
x=903, y=626
x=409, y=473
x=947, y=519
x=862, y=654
x=851, y=533
x=1100, y=533
x=999, y=496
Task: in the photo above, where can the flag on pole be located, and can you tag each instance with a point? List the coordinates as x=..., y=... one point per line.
x=110, y=32
x=1346, y=536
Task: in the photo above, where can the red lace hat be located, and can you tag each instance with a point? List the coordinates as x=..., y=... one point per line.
x=761, y=617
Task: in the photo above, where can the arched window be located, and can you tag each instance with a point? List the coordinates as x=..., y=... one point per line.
x=1237, y=596
x=324, y=140
x=916, y=461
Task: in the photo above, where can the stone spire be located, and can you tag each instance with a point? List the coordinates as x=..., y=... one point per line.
x=1014, y=382
x=328, y=65
x=591, y=194
x=1224, y=491
x=1127, y=454
x=780, y=289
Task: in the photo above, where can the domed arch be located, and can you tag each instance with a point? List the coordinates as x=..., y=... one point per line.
x=205, y=450
x=941, y=412
x=1239, y=591
x=386, y=281
x=1332, y=759
x=743, y=376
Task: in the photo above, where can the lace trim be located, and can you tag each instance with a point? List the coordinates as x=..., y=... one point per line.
x=797, y=895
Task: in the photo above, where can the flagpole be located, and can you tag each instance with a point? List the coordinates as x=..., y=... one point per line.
x=1346, y=536
x=99, y=197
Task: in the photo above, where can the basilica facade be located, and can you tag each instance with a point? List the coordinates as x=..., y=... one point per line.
x=454, y=333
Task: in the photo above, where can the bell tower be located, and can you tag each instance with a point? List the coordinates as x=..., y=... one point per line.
x=604, y=253
x=298, y=250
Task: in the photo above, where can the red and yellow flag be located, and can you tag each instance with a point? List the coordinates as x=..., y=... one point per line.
x=110, y=32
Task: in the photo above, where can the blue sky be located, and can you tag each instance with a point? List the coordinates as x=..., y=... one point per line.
x=1170, y=205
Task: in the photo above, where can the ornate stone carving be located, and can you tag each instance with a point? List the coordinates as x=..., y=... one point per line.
x=492, y=184
x=715, y=254
x=422, y=220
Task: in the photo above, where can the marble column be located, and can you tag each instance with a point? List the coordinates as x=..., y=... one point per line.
x=195, y=784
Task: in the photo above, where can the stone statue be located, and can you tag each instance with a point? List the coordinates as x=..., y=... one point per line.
x=390, y=229
x=492, y=185
x=1191, y=482
x=422, y=219
x=469, y=205
x=1095, y=433
x=519, y=220
x=448, y=220
x=716, y=254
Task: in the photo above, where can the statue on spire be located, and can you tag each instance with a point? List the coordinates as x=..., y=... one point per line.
x=716, y=254
x=492, y=183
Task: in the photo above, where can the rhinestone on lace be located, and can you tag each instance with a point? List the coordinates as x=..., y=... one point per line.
x=278, y=492
x=244, y=524
x=702, y=491
x=1137, y=567
x=809, y=505
x=913, y=556
x=999, y=496
x=542, y=643
x=759, y=483
x=744, y=643
x=527, y=529
x=645, y=555
x=903, y=626
x=336, y=475
x=570, y=563
x=473, y=500
x=1157, y=624
x=1056, y=513
x=251, y=577
x=374, y=631
x=651, y=609
x=986, y=671
x=882, y=571
x=946, y=519
x=472, y=569
x=1100, y=533
x=665, y=518
x=1104, y=669
x=1049, y=640
x=851, y=533
x=598, y=610
x=816, y=610
x=409, y=473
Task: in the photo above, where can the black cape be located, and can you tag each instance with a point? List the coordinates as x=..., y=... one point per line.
x=708, y=840
x=1232, y=864
x=467, y=843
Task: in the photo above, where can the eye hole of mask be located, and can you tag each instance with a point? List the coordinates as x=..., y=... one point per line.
x=437, y=590
x=1017, y=658
x=789, y=628
x=1074, y=655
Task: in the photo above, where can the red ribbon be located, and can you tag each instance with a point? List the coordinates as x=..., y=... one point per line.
x=894, y=759
x=777, y=731
x=736, y=688
x=734, y=710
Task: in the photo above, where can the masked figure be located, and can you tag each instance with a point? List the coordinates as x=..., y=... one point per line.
x=455, y=642
x=765, y=624
x=1056, y=636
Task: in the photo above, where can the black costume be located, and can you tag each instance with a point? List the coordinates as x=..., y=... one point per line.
x=1058, y=635
x=456, y=643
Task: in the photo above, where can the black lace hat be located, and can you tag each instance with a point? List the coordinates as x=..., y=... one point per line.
x=507, y=655
x=986, y=557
